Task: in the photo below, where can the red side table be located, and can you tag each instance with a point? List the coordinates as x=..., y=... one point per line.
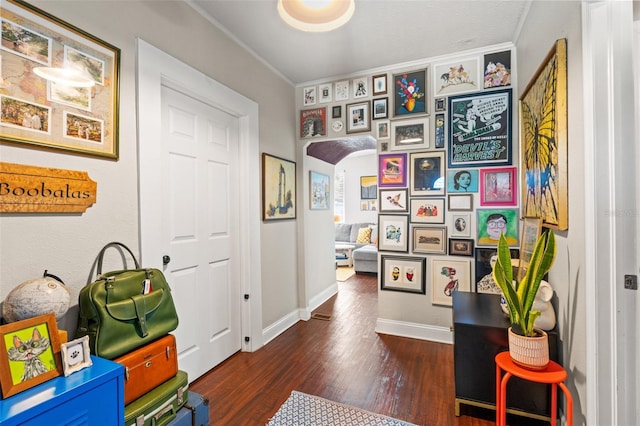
x=554, y=375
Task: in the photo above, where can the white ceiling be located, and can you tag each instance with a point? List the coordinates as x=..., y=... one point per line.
x=381, y=33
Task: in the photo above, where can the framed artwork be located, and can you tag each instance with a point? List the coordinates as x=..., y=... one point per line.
x=278, y=188
x=439, y=131
x=309, y=96
x=460, y=203
x=429, y=239
x=360, y=87
x=383, y=147
x=392, y=170
x=341, y=90
x=40, y=113
x=462, y=181
x=380, y=108
x=368, y=187
x=460, y=247
x=382, y=129
x=455, y=77
x=498, y=187
x=394, y=200
x=319, y=194
x=485, y=258
x=440, y=104
x=427, y=210
x=75, y=355
x=531, y=230
x=400, y=273
x=427, y=173
x=392, y=233
x=325, y=93
x=480, y=129
x=313, y=122
x=493, y=222
x=358, y=117
x=336, y=111
x=449, y=275
x=410, y=134
x=497, y=69
x=29, y=353
x=461, y=225
x=410, y=93
x=543, y=133
x=379, y=84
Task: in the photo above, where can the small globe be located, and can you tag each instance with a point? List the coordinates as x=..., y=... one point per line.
x=36, y=297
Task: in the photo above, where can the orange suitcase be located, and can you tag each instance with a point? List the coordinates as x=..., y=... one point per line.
x=148, y=366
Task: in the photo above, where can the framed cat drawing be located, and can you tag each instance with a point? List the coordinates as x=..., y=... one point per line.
x=29, y=353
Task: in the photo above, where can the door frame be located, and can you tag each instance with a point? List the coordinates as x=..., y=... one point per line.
x=154, y=69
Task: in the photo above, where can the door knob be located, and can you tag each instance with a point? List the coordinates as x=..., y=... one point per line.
x=166, y=259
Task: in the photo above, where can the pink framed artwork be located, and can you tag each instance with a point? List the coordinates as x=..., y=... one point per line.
x=498, y=187
x=392, y=170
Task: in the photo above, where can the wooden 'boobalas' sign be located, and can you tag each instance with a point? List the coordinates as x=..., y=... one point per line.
x=33, y=189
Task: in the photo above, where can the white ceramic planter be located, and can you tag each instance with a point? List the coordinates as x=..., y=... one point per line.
x=529, y=352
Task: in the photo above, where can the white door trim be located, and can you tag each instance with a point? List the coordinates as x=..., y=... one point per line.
x=155, y=68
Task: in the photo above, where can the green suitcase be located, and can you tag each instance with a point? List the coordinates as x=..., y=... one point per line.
x=160, y=405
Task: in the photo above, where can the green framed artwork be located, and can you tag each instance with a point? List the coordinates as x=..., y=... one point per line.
x=493, y=222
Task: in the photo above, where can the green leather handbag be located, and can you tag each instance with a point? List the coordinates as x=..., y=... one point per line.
x=123, y=310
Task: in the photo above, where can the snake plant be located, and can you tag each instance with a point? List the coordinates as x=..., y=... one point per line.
x=519, y=296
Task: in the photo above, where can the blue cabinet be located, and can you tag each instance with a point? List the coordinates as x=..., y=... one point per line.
x=92, y=396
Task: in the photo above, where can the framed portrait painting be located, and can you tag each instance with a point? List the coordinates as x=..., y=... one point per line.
x=410, y=93
x=278, y=188
x=493, y=222
x=480, y=129
x=29, y=353
x=449, y=275
x=319, y=194
x=403, y=273
x=392, y=232
x=543, y=140
x=462, y=181
x=392, y=170
x=39, y=112
x=484, y=260
x=427, y=173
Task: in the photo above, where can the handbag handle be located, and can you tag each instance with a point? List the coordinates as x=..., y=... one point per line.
x=117, y=245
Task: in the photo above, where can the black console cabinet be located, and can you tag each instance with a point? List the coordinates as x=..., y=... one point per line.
x=480, y=333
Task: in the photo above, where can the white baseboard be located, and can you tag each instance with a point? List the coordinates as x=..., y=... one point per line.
x=415, y=331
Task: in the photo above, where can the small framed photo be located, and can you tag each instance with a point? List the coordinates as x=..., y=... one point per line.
x=429, y=239
x=394, y=200
x=319, y=195
x=439, y=132
x=460, y=247
x=440, y=104
x=360, y=87
x=461, y=225
x=313, y=122
x=427, y=173
x=460, y=203
x=498, y=187
x=368, y=187
x=379, y=84
x=401, y=273
x=309, y=96
x=380, y=108
x=325, y=91
x=410, y=134
x=29, y=353
x=382, y=129
x=75, y=355
x=392, y=233
x=341, y=91
x=336, y=111
x=358, y=117
x=449, y=275
x=427, y=210
x=392, y=170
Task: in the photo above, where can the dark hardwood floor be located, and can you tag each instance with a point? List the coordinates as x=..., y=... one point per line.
x=342, y=359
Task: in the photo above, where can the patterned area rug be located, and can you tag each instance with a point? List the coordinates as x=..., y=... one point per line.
x=301, y=409
x=343, y=273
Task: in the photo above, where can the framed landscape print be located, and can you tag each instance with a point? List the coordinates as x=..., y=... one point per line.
x=410, y=93
x=368, y=187
x=380, y=109
x=392, y=170
x=358, y=117
x=278, y=188
x=403, y=273
x=543, y=133
x=429, y=239
x=427, y=210
x=410, y=134
x=498, y=187
x=449, y=275
x=480, y=129
x=319, y=194
x=37, y=112
x=394, y=200
x=393, y=230
x=427, y=173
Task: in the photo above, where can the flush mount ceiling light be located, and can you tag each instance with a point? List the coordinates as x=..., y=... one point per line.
x=66, y=76
x=316, y=15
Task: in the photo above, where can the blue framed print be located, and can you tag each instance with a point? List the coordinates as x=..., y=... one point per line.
x=462, y=180
x=480, y=129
